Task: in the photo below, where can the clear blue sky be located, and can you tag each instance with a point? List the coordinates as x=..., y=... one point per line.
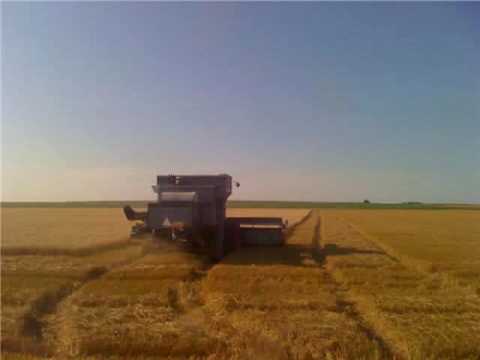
x=324, y=101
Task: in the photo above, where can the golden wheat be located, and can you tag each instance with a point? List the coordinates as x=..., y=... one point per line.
x=419, y=314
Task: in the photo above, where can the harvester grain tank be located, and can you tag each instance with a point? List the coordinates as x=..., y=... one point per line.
x=193, y=208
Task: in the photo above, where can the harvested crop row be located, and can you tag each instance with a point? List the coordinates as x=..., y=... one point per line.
x=280, y=303
x=420, y=315
x=32, y=286
x=134, y=310
x=144, y=308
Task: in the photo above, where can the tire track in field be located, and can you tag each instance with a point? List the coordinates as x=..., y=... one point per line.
x=342, y=302
x=197, y=313
x=60, y=333
x=32, y=324
x=418, y=314
x=292, y=339
x=282, y=303
x=347, y=249
x=67, y=329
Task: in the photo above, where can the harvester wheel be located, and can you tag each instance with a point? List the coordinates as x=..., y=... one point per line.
x=217, y=245
x=209, y=240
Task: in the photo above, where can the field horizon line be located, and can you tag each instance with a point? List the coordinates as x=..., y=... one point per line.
x=252, y=204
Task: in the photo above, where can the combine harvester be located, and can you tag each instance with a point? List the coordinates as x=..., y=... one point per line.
x=192, y=208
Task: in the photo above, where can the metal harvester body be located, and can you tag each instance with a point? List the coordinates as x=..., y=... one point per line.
x=193, y=208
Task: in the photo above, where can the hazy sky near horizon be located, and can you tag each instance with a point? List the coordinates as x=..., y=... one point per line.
x=297, y=101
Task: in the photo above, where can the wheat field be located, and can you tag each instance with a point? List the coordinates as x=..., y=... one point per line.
x=434, y=241
x=77, y=231
x=348, y=284
x=33, y=285
x=48, y=254
x=383, y=258
x=64, y=231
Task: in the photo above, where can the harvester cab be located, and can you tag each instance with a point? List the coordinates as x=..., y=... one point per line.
x=192, y=208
